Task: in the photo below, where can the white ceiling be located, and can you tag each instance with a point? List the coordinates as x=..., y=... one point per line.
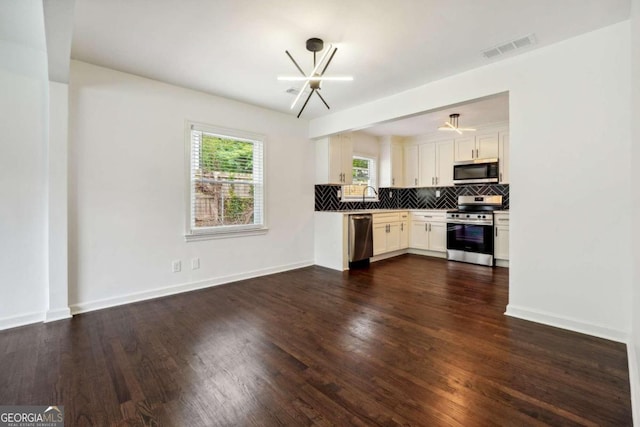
x=473, y=114
x=236, y=48
x=22, y=23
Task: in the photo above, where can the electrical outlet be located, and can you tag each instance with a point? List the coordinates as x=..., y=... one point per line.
x=339, y=194
x=195, y=263
x=176, y=266
x=437, y=193
x=390, y=194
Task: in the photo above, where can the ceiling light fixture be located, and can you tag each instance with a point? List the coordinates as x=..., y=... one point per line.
x=452, y=125
x=318, y=78
x=314, y=79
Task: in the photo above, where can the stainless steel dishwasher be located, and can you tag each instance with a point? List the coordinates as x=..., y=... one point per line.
x=360, y=237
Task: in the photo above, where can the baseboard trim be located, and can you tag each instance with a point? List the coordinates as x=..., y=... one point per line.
x=58, y=314
x=502, y=263
x=566, y=323
x=84, y=307
x=21, y=320
x=388, y=255
x=425, y=252
x=634, y=381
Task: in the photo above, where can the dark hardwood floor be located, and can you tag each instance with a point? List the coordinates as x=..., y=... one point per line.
x=409, y=341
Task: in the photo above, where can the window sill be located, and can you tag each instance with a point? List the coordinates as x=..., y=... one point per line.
x=226, y=234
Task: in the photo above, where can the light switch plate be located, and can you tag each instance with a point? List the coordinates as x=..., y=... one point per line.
x=176, y=266
x=437, y=193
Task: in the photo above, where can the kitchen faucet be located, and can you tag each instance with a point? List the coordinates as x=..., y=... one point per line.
x=364, y=192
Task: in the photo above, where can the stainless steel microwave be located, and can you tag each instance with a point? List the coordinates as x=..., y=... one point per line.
x=479, y=171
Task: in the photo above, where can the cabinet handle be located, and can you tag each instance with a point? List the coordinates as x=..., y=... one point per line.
x=415, y=180
x=393, y=181
x=426, y=226
x=432, y=180
x=472, y=153
x=437, y=180
x=402, y=226
x=429, y=227
x=500, y=176
x=496, y=232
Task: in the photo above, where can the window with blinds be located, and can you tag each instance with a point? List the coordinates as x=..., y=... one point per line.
x=227, y=181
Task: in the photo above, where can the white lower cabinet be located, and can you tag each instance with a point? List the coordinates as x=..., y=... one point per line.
x=501, y=236
x=428, y=231
x=404, y=233
x=389, y=230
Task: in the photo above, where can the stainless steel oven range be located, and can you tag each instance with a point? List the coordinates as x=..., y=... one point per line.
x=470, y=229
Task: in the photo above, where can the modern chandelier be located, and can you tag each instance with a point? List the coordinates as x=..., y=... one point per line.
x=314, y=79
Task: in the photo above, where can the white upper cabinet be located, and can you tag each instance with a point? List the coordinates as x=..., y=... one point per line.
x=480, y=146
x=427, y=162
x=465, y=148
x=334, y=160
x=503, y=157
x=436, y=164
x=391, y=162
x=444, y=163
x=411, y=178
x=487, y=146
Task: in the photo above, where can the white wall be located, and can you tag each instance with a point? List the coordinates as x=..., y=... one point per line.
x=570, y=148
x=365, y=144
x=23, y=189
x=634, y=347
x=127, y=196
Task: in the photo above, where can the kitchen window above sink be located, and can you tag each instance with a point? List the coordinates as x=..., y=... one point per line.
x=364, y=185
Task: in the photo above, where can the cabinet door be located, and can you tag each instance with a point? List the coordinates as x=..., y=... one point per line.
x=396, y=165
x=404, y=234
x=379, y=239
x=346, y=149
x=411, y=166
x=335, y=160
x=465, y=148
x=503, y=156
x=444, y=160
x=419, y=236
x=393, y=237
x=487, y=146
x=438, y=237
x=427, y=161
x=501, y=242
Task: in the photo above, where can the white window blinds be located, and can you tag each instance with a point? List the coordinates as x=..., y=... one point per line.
x=227, y=182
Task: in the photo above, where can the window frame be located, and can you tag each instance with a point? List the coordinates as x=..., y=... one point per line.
x=193, y=233
x=374, y=198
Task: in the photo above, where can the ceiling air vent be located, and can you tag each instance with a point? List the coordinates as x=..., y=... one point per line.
x=510, y=46
x=292, y=91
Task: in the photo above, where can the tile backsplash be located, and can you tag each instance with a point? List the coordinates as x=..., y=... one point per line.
x=408, y=198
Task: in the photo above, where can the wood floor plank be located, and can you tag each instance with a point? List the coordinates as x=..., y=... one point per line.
x=408, y=341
